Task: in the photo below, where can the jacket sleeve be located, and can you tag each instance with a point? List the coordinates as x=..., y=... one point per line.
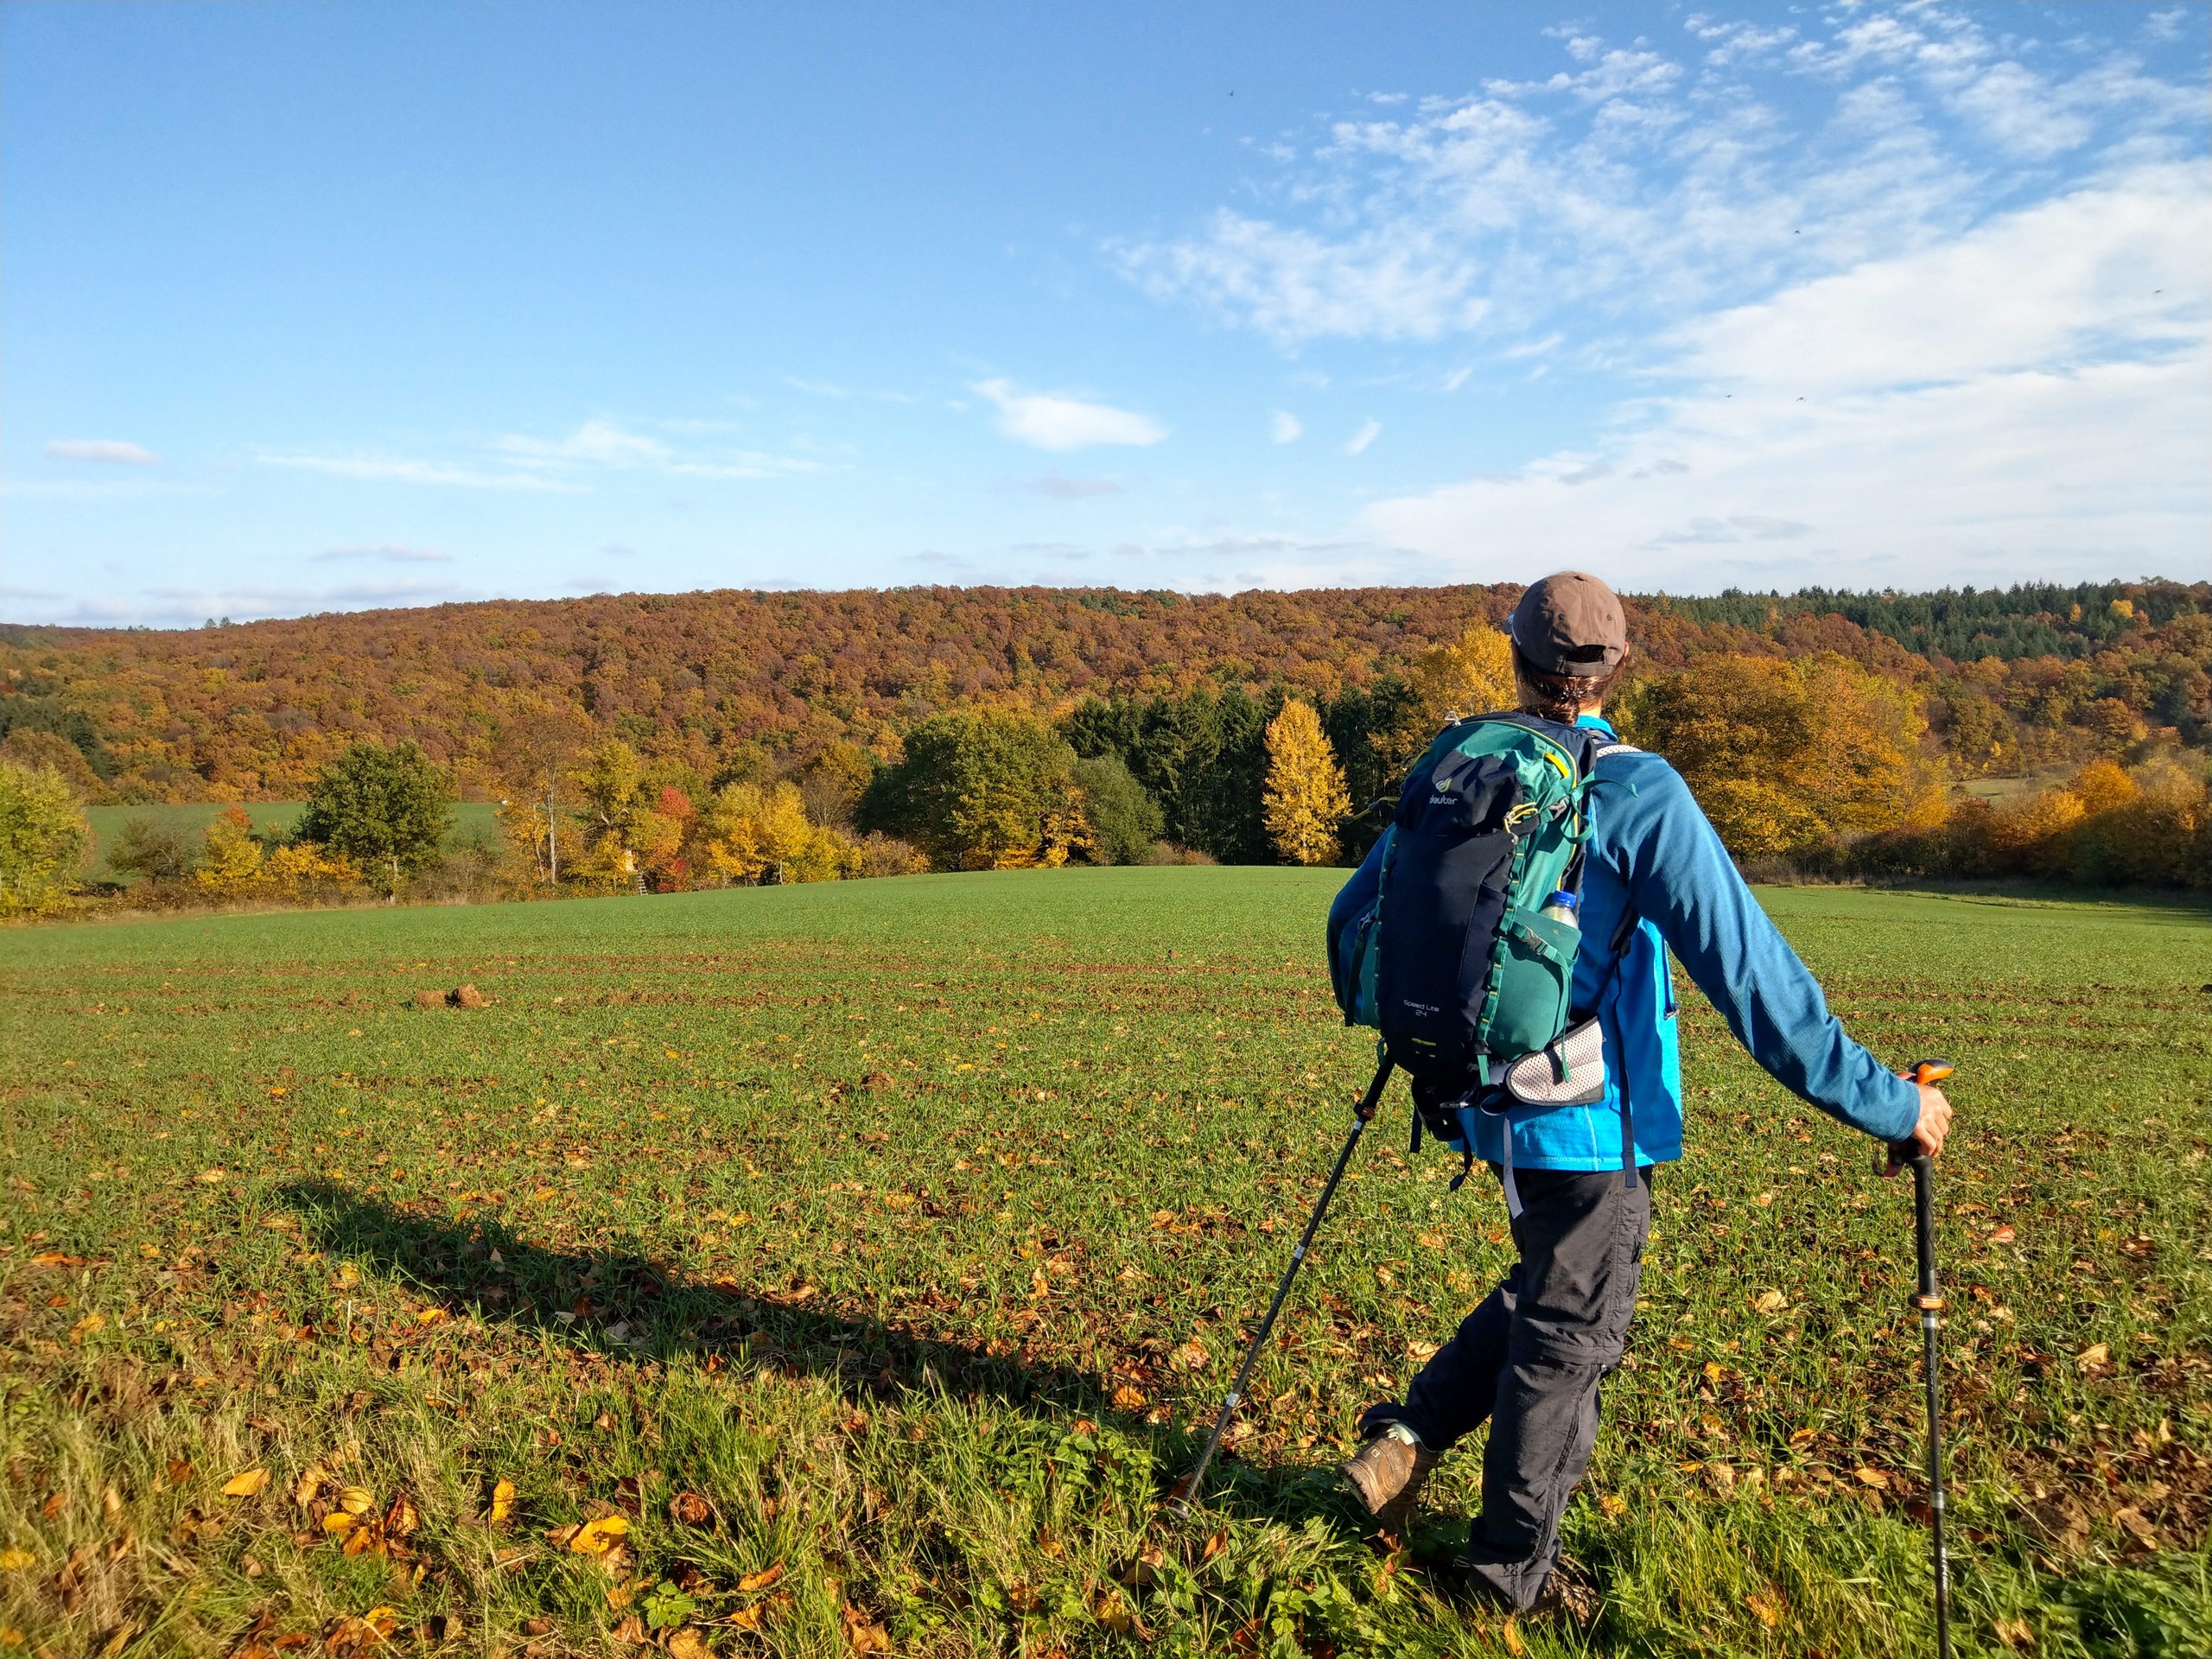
x=1681, y=878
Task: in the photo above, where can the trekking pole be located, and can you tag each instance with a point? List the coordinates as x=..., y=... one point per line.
x=1363, y=1114
x=1929, y=1300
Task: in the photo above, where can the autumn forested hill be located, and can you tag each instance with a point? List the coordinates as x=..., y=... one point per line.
x=252, y=711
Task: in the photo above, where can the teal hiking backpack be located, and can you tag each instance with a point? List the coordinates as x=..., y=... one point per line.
x=1464, y=962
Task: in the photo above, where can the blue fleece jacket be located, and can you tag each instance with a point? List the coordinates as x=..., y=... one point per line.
x=1652, y=850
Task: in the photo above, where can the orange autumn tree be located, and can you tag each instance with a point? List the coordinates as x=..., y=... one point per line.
x=1781, y=755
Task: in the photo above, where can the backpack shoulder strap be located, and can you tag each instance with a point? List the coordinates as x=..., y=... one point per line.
x=1605, y=749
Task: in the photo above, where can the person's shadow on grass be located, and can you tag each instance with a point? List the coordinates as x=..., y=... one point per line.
x=629, y=1308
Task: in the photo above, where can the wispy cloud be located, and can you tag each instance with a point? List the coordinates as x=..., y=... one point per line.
x=604, y=444
x=115, y=452
x=1370, y=429
x=1283, y=427
x=842, y=393
x=562, y=464
x=1638, y=184
x=403, y=469
x=385, y=553
x=1045, y=421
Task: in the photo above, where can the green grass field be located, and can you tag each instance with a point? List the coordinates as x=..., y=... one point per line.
x=852, y=1263
x=466, y=821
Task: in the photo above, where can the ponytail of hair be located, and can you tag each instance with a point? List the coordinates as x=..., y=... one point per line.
x=1561, y=696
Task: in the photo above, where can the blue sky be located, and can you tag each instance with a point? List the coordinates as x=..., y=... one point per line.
x=308, y=308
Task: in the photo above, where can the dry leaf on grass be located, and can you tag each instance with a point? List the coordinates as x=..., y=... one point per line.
x=15, y=1559
x=2095, y=1355
x=309, y=1483
x=689, y=1508
x=688, y=1644
x=1766, y=1606
x=597, y=1537
x=1870, y=1476
x=760, y=1581
x=1772, y=1301
x=503, y=1501
x=246, y=1484
x=1509, y=1633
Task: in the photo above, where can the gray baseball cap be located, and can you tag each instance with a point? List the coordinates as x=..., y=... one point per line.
x=1571, y=624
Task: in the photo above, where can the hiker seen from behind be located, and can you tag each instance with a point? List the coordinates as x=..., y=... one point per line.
x=1510, y=936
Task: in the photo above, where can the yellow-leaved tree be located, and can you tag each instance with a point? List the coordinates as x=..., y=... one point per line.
x=748, y=833
x=1306, y=799
x=1473, y=675
x=231, y=865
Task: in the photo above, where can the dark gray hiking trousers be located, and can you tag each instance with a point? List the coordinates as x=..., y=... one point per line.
x=1530, y=1359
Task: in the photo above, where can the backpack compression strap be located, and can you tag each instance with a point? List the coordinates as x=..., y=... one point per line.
x=1622, y=936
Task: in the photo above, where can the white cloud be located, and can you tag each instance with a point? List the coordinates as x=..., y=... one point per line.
x=1370, y=429
x=1045, y=421
x=1076, y=489
x=1283, y=427
x=386, y=553
x=2016, y=403
x=1634, y=188
x=113, y=451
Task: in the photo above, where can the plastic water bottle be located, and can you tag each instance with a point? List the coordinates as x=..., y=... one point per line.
x=1561, y=907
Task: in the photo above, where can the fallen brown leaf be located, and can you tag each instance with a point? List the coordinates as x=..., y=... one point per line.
x=690, y=1509
x=760, y=1581
x=864, y=1633
x=246, y=1484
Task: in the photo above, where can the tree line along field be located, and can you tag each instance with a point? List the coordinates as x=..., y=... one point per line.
x=850, y=1268
x=468, y=823
x=2023, y=677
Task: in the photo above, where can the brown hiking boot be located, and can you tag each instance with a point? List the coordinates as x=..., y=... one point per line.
x=1387, y=1473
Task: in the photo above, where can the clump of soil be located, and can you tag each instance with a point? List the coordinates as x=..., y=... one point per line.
x=462, y=996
